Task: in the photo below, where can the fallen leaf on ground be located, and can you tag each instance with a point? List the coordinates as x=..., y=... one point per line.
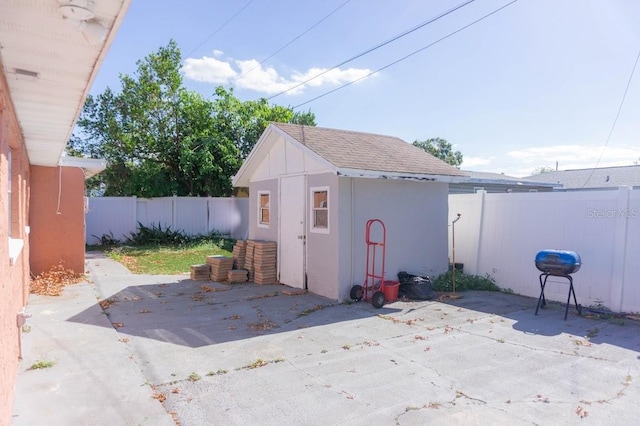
x=159, y=396
x=53, y=281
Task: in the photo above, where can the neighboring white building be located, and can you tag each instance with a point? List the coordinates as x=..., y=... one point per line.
x=313, y=190
x=594, y=178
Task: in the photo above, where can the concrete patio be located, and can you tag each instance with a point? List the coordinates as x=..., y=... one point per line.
x=165, y=350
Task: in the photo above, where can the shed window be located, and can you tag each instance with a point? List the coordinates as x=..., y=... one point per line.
x=320, y=209
x=263, y=208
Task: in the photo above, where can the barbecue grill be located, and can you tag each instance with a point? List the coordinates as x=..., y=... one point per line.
x=558, y=263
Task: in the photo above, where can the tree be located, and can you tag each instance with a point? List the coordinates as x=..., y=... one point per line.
x=441, y=149
x=161, y=139
x=244, y=122
x=542, y=169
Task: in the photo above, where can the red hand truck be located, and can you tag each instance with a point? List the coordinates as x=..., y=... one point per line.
x=371, y=290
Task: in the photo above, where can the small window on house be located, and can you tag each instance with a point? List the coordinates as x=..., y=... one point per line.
x=320, y=209
x=263, y=208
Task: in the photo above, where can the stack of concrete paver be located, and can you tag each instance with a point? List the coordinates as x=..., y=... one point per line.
x=239, y=254
x=248, y=262
x=200, y=272
x=238, y=276
x=220, y=267
x=264, y=262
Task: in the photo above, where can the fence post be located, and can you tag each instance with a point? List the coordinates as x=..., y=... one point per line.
x=174, y=212
x=481, y=195
x=209, y=198
x=621, y=216
x=135, y=214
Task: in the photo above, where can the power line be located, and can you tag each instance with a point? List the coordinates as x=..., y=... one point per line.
x=407, y=56
x=404, y=33
x=615, y=121
x=221, y=27
x=294, y=39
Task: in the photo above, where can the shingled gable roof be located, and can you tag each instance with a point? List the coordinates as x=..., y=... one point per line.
x=359, y=154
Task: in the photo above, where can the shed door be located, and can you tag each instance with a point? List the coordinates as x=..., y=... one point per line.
x=292, y=235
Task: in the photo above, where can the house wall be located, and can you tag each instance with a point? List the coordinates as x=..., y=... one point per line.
x=500, y=235
x=415, y=217
x=14, y=275
x=322, y=260
x=256, y=232
x=57, y=218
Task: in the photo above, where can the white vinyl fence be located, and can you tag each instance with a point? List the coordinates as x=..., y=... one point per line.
x=500, y=235
x=119, y=216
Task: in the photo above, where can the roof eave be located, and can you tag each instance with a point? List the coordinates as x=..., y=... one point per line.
x=90, y=166
x=514, y=182
x=422, y=177
x=113, y=31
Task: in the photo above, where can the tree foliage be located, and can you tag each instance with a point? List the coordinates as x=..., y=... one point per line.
x=161, y=139
x=542, y=169
x=244, y=122
x=441, y=149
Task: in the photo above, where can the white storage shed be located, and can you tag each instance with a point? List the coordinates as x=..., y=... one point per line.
x=312, y=190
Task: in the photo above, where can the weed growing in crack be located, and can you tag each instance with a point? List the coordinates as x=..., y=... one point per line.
x=39, y=365
x=217, y=373
x=260, y=363
x=311, y=310
x=194, y=377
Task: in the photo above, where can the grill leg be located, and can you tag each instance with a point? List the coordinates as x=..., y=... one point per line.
x=566, y=309
x=541, y=299
x=572, y=291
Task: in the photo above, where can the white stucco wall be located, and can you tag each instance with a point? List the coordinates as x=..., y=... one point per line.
x=415, y=216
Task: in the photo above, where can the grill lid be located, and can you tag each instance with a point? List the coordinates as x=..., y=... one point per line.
x=558, y=261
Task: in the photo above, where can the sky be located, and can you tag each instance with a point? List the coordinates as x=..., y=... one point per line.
x=535, y=83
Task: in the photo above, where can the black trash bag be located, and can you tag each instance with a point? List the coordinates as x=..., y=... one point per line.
x=415, y=287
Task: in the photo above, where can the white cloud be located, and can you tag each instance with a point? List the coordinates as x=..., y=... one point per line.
x=570, y=157
x=470, y=162
x=208, y=70
x=577, y=156
x=251, y=75
x=523, y=162
x=217, y=53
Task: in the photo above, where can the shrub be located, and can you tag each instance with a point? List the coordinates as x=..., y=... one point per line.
x=464, y=282
x=107, y=240
x=155, y=235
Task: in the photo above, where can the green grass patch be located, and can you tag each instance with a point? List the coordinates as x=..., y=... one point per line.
x=169, y=259
x=464, y=282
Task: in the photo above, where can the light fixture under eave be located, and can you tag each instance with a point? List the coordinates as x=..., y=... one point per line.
x=94, y=32
x=78, y=14
x=72, y=11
